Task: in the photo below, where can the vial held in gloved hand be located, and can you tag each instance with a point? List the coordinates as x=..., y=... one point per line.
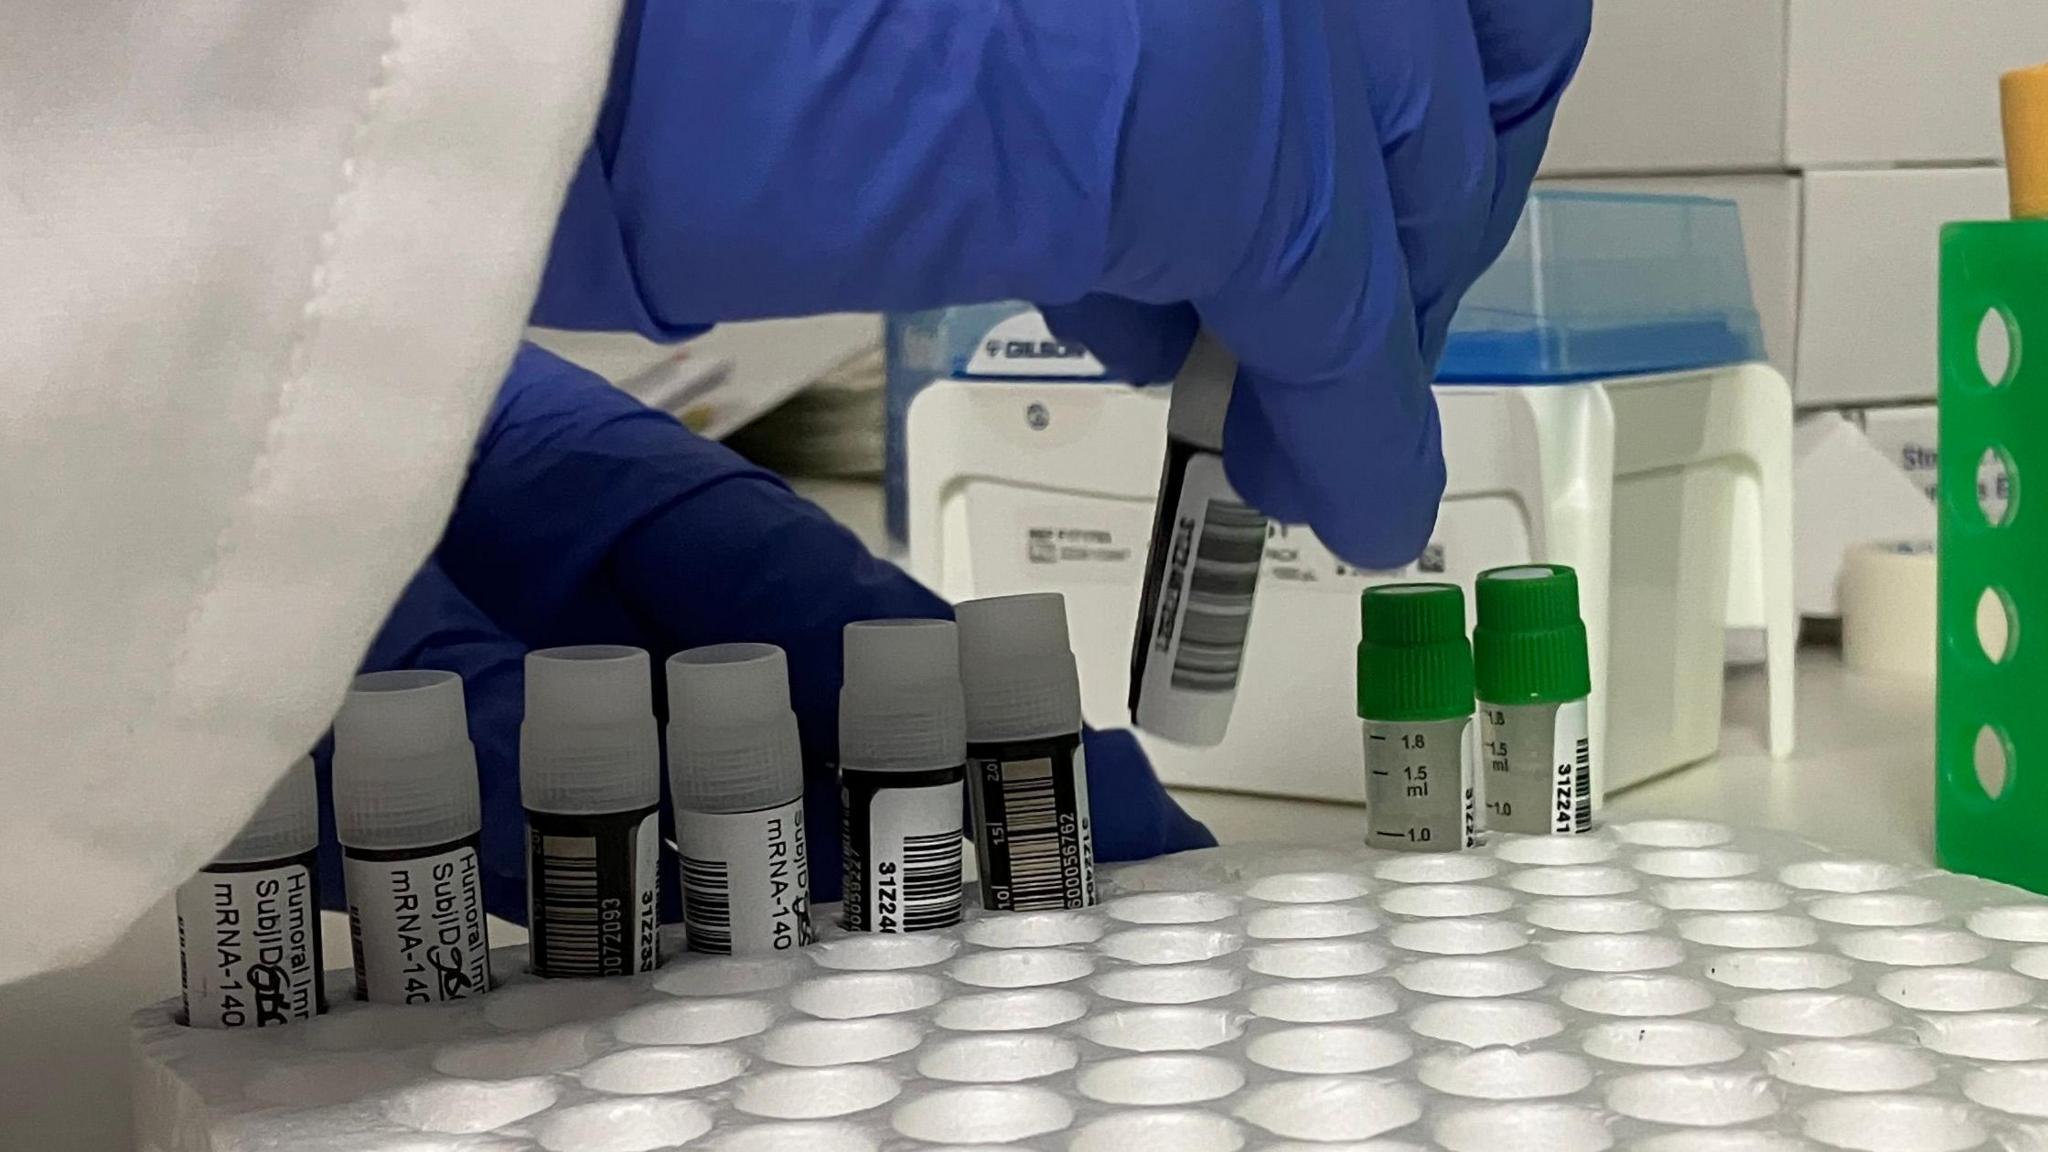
x=1533, y=678
x=1415, y=697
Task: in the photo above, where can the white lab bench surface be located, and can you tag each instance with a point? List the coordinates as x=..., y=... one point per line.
x=1862, y=781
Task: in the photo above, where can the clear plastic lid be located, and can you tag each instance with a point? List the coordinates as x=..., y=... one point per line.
x=732, y=738
x=1017, y=669
x=589, y=744
x=404, y=769
x=1597, y=284
x=900, y=709
x=287, y=823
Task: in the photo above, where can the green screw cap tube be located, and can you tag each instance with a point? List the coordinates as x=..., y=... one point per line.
x=1415, y=704
x=1534, y=678
x=1530, y=644
x=1414, y=662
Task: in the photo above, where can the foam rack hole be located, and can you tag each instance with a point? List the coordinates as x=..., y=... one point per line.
x=1546, y=850
x=815, y=1093
x=1780, y=971
x=1844, y=877
x=878, y=952
x=1308, y=888
x=514, y=1057
x=1696, y=864
x=1322, y=1001
x=466, y=1107
x=1990, y=1036
x=1471, y=976
x=1161, y=1080
x=1011, y=1011
x=1169, y=945
x=983, y=1115
x=637, y=1125
x=694, y=1022
x=1594, y=952
x=1674, y=833
x=1021, y=968
x=855, y=996
x=2031, y=962
x=1893, y=1124
x=1851, y=1066
x=1162, y=1029
x=1481, y=1023
x=727, y=975
x=1749, y=930
x=1178, y=984
x=1159, y=1132
x=1002, y=1058
x=1665, y=1043
x=2021, y=1091
x=1913, y=947
x=1721, y=896
x=1328, y=1050
x=1606, y=915
x=1955, y=990
x=1172, y=908
x=1573, y=880
x=1446, y=868
x=1817, y=1015
x=1523, y=1128
x=1992, y=761
x=1446, y=900
x=654, y=1071
x=1692, y=1097
x=800, y=1137
x=1465, y=937
x=1309, y=922
x=1878, y=910
x=1721, y=1140
x=1505, y=1074
x=822, y=1043
x=1034, y=930
x=2017, y=923
x=1317, y=959
x=1637, y=995
x=1330, y=1108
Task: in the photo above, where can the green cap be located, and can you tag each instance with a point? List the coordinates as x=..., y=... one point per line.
x=1530, y=644
x=1413, y=660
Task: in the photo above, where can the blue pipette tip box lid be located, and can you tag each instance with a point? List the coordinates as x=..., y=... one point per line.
x=1598, y=284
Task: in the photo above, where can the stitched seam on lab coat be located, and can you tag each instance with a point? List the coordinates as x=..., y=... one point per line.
x=296, y=361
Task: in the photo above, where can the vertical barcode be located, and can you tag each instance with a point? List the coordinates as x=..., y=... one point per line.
x=931, y=881
x=1219, y=598
x=1582, y=787
x=567, y=907
x=1031, y=831
x=707, y=905
x=355, y=948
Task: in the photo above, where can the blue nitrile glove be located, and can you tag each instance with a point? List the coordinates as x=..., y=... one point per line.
x=589, y=518
x=1322, y=179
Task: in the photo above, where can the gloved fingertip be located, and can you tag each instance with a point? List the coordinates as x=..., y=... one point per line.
x=1137, y=343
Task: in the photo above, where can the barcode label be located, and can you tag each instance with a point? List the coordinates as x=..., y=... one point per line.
x=931, y=881
x=591, y=899
x=707, y=906
x=746, y=882
x=1582, y=814
x=902, y=849
x=1218, y=606
x=1031, y=825
x=1571, y=759
x=418, y=923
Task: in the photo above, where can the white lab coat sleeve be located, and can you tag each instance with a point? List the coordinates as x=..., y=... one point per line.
x=262, y=266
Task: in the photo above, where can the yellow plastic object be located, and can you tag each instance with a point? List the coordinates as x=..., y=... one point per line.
x=2025, y=97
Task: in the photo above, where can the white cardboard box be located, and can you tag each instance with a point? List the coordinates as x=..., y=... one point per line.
x=1757, y=85
x=1910, y=437
x=1770, y=207
x=1871, y=275
x=1845, y=491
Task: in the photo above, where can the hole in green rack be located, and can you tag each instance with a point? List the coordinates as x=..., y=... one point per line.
x=1998, y=347
x=1995, y=625
x=1995, y=484
x=1993, y=761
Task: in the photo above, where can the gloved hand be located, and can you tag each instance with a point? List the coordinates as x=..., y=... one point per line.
x=1319, y=179
x=589, y=518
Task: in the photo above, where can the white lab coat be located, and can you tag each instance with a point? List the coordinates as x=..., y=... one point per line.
x=262, y=266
